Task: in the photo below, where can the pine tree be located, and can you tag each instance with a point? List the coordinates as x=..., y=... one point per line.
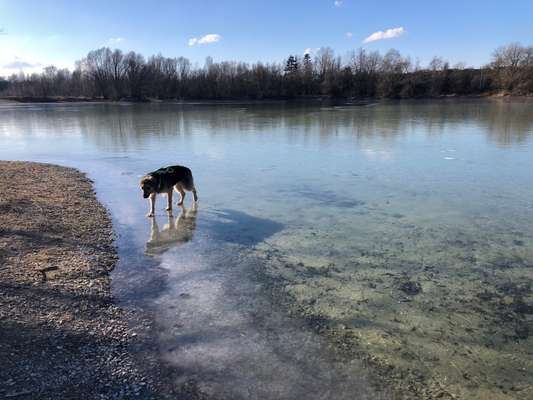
x=307, y=65
x=292, y=64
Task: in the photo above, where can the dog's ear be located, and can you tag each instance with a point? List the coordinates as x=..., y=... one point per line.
x=147, y=178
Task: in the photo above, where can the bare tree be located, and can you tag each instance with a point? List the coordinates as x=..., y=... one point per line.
x=112, y=75
x=507, y=61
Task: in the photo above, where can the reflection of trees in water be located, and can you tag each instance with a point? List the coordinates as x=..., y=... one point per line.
x=509, y=122
x=121, y=126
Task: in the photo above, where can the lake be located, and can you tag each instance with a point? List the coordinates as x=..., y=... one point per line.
x=327, y=239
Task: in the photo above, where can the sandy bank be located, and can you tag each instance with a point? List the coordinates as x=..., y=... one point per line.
x=60, y=334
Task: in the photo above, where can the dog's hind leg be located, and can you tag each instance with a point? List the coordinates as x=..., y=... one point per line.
x=169, y=200
x=194, y=194
x=152, y=205
x=182, y=193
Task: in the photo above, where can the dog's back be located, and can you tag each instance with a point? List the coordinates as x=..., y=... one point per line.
x=169, y=176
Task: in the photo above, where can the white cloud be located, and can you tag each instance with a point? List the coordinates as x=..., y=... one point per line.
x=20, y=64
x=116, y=40
x=337, y=3
x=388, y=34
x=209, y=38
x=13, y=59
x=349, y=34
x=311, y=50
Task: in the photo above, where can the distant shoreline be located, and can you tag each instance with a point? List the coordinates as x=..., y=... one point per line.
x=307, y=99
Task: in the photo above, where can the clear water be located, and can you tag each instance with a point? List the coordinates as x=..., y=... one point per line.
x=341, y=206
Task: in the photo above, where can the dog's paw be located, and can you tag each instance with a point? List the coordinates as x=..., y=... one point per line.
x=180, y=203
x=168, y=209
x=150, y=215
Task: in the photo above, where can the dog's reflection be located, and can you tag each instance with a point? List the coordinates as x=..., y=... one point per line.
x=175, y=232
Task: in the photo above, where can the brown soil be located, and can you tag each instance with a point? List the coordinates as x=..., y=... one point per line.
x=60, y=334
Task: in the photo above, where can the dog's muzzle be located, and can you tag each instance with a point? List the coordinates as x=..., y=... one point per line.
x=145, y=195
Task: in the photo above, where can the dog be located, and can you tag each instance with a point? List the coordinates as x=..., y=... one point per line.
x=164, y=180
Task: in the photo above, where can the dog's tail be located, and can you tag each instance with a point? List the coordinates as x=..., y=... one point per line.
x=194, y=192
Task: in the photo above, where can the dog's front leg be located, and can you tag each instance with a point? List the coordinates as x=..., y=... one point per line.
x=152, y=205
x=169, y=200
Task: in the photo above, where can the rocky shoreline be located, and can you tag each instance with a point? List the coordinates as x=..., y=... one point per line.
x=61, y=336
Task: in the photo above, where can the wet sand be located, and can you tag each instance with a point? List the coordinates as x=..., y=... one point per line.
x=61, y=336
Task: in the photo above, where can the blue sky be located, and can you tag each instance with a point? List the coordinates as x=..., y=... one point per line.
x=38, y=33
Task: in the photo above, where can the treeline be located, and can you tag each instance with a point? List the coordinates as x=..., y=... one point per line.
x=111, y=74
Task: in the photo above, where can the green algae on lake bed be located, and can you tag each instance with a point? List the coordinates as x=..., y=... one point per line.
x=443, y=307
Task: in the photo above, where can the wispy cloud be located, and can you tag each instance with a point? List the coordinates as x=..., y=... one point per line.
x=311, y=50
x=206, y=39
x=116, y=40
x=349, y=34
x=337, y=3
x=387, y=34
x=19, y=63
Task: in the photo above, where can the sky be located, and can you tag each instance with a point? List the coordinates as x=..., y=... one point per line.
x=34, y=34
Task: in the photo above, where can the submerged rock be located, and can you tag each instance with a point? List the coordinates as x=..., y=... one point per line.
x=522, y=331
x=411, y=287
x=520, y=307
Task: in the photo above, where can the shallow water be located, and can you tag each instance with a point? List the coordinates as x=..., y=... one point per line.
x=345, y=209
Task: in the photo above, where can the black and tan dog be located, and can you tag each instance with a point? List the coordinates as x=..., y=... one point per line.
x=164, y=180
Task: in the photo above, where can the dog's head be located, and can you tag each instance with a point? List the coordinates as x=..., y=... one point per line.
x=148, y=185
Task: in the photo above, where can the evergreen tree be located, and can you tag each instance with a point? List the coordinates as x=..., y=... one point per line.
x=308, y=66
x=291, y=64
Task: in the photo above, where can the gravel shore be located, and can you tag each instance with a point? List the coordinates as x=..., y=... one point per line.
x=61, y=336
